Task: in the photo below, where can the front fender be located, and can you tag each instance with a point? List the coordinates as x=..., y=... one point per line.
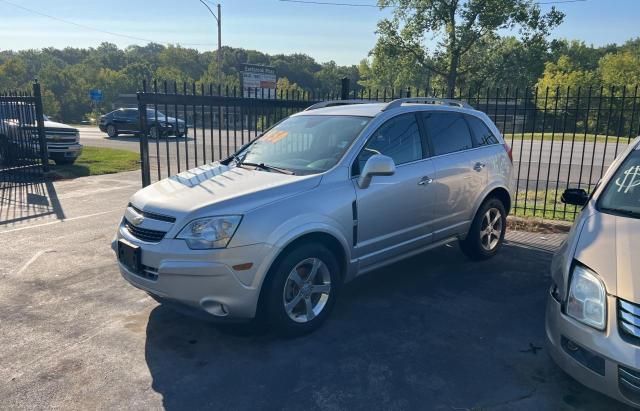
x=297, y=227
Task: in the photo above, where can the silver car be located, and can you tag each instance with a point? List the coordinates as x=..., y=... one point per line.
x=325, y=195
x=593, y=311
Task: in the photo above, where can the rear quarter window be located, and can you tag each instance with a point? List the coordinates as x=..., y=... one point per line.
x=447, y=132
x=481, y=133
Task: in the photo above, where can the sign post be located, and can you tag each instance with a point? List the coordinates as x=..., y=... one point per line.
x=96, y=97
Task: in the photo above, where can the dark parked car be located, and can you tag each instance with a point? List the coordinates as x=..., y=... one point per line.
x=126, y=121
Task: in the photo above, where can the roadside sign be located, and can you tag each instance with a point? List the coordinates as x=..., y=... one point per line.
x=258, y=81
x=95, y=95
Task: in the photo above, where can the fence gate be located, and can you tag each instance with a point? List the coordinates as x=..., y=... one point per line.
x=23, y=149
x=192, y=126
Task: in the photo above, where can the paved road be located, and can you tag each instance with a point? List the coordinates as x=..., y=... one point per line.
x=535, y=160
x=432, y=332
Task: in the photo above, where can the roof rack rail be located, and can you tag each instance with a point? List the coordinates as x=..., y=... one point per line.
x=331, y=103
x=426, y=100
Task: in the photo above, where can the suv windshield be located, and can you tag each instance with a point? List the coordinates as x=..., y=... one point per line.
x=304, y=144
x=622, y=194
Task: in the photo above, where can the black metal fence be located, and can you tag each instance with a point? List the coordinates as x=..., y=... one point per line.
x=560, y=137
x=23, y=149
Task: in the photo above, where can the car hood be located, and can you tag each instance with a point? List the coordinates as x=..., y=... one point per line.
x=216, y=189
x=608, y=244
x=53, y=125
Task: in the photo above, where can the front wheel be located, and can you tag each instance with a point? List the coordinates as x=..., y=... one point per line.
x=112, y=132
x=486, y=234
x=302, y=290
x=64, y=161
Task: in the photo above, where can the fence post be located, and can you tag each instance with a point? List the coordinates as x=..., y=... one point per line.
x=42, y=138
x=344, y=93
x=144, y=140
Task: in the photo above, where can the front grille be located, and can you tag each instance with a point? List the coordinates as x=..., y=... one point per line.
x=629, y=319
x=150, y=236
x=629, y=383
x=154, y=216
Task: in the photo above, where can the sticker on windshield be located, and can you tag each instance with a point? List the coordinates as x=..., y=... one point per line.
x=630, y=180
x=275, y=136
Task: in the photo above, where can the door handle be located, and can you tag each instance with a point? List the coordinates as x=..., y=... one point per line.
x=425, y=180
x=479, y=166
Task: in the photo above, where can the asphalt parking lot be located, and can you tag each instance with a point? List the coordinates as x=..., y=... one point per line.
x=431, y=332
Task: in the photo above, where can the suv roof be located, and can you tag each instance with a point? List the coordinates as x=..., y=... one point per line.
x=371, y=109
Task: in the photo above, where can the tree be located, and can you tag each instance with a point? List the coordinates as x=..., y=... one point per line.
x=457, y=26
x=620, y=69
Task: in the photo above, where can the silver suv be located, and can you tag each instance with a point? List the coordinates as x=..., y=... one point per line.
x=323, y=196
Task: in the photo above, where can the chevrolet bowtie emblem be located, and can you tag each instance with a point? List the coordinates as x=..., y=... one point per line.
x=137, y=220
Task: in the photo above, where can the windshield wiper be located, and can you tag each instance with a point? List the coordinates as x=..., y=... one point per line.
x=264, y=166
x=625, y=213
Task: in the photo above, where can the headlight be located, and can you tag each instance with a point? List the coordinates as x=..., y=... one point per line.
x=587, y=298
x=210, y=232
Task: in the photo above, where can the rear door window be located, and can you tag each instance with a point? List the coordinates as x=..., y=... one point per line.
x=447, y=132
x=481, y=133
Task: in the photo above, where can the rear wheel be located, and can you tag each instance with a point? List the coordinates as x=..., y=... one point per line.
x=154, y=132
x=302, y=289
x=112, y=131
x=4, y=151
x=486, y=234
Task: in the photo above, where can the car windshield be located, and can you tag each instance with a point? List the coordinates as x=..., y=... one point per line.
x=622, y=194
x=305, y=144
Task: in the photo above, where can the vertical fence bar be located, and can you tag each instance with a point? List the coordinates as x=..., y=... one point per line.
x=42, y=138
x=175, y=110
x=144, y=139
x=564, y=128
x=166, y=137
x=544, y=121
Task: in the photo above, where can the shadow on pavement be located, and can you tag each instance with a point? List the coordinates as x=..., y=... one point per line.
x=21, y=201
x=431, y=332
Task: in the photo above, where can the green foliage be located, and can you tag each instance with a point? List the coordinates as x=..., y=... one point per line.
x=68, y=74
x=461, y=31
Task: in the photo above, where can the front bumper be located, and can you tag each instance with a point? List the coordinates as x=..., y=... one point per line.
x=201, y=280
x=58, y=151
x=594, y=358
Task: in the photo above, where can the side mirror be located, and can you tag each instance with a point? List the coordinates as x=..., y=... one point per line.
x=376, y=165
x=575, y=196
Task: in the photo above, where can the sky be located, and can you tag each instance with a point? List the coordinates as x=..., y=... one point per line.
x=342, y=34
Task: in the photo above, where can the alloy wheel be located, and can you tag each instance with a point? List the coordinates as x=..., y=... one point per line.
x=306, y=290
x=491, y=229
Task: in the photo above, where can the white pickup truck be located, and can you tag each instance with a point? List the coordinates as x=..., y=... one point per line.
x=19, y=139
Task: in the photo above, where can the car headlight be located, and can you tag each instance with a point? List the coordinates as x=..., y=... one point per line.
x=587, y=298
x=210, y=232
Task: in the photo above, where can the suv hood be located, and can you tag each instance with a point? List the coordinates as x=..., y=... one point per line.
x=608, y=244
x=216, y=189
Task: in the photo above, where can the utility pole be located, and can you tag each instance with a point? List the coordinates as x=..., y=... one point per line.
x=218, y=18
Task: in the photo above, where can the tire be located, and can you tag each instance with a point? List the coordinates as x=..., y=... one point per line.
x=309, y=303
x=154, y=132
x=483, y=242
x=5, y=158
x=112, y=131
x=64, y=161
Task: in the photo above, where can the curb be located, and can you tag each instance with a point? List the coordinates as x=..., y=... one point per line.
x=538, y=225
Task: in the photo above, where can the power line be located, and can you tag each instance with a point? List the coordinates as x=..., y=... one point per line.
x=331, y=3
x=82, y=26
